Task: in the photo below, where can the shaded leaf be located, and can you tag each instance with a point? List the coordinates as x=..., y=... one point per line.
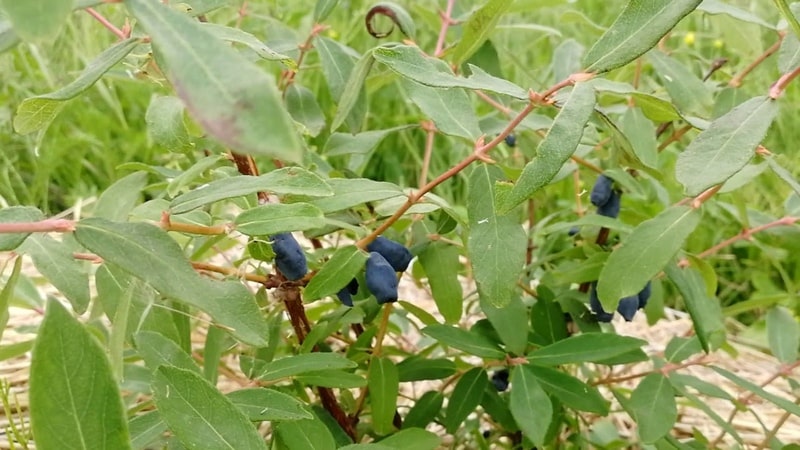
x=146, y=429
x=726, y=146
x=788, y=405
x=424, y=411
x=323, y=8
x=37, y=20
x=332, y=379
x=531, y=407
x=558, y=145
x=268, y=404
x=54, y=260
x=383, y=385
x=307, y=362
x=510, y=322
x=273, y=218
x=346, y=262
x=705, y=311
x=165, y=124
x=303, y=107
x=466, y=341
x=465, y=398
x=157, y=350
x=199, y=415
x=337, y=63
x=36, y=113
x=415, y=438
x=586, y=347
x=306, y=434
x=783, y=333
x=450, y=109
x=117, y=201
x=477, y=29
x=571, y=391
x=416, y=368
x=637, y=29
x=653, y=406
x=650, y=246
x=441, y=264
x=66, y=410
x=353, y=89
x=688, y=92
x=229, y=96
x=242, y=37
x=355, y=191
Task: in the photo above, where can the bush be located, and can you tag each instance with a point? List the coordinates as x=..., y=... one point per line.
x=198, y=264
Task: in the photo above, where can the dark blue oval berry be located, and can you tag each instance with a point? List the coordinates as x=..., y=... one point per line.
x=573, y=231
x=597, y=308
x=511, y=140
x=628, y=306
x=394, y=252
x=289, y=256
x=345, y=297
x=381, y=278
x=601, y=191
x=500, y=380
x=611, y=208
x=644, y=295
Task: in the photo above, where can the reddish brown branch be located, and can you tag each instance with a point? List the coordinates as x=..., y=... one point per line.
x=42, y=226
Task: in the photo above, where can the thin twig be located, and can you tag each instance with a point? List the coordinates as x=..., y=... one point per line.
x=42, y=226
x=447, y=20
x=430, y=134
x=736, y=81
x=110, y=26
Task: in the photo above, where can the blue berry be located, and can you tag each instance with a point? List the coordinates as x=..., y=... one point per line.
x=628, y=306
x=289, y=256
x=381, y=279
x=601, y=191
x=511, y=140
x=611, y=208
x=644, y=295
x=597, y=308
x=395, y=253
x=500, y=380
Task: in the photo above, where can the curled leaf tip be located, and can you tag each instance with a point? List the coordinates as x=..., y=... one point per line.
x=395, y=13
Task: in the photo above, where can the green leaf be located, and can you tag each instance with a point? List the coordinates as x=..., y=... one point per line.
x=417, y=368
x=54, y=260
x=788, y=405
x=36, y=113
x=510, y=322
x=477, y=29
x=353, y=89
x=275, y=218
x=783, y=333
x=383, y=383
x=424, y=411
x=776, y=167
x=289, y=180
x=788, y=14
x=6, y=294
x=17, y=214
x=560, y=143
x=547, y=321
x=705, y=311
x=789, y=54
x=465, y=398
x=415, y=438
x=323, y=8
x=650, y=246
x=726, y=146
x=307, y=362
x=441, y=264
x=346, y=262
x=409, y=62
x=117, y=201
x=37, y=20
x=703, y=405
x=466, y=341
x=653, y=406
x=642, y=134
x=332, y=379
x=268, y=404
x=306, y=434
x=148, y=253
x=165, y=124
x=242, y=37
x=74, y=399
x=157, y=350
x=229, y=96
x=637, y=29
x=688, y=92
x=303, y=107
x=586, y=347
x=571, y=391
x=146, y=429
x=531, y=407
x=679, y=349
x=337, y=63
x=496, y=244
x=349, y=192
x=450, y=109
x=717, y=7
x=199, y=415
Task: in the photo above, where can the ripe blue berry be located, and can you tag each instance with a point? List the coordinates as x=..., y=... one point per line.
x=601, y=191
x=611, y=208
x=500, y=380
x=597, y=308
x=644, y=295
x=289, y=257
x=345, y=295
x=381, y=278
x=394, y=252
x=511, y=140
x=628, y=306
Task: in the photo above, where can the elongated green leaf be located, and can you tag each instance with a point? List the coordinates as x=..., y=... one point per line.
x=478, y=28
x=242, y=37
x=416, y=368
x=37, y=20
x=450, y=109
x=467, y=341
x=705, y=311
x=648, y=248
x=323, y=8
x=718, y=7
x=642, y=134
x=306, y=434
x=199, y=415
x=411, y=63
x=75, y=402
x=229, y=96
x=307, y=362
x=269, y=404
x=416, y=438
x=275, y=218
x=787, y=405
x=725, y=146
x=687, y=90
x=679, y=349
x=776, y=167
x=332, y=379
x=6, y=294
x=637, y=29
x=783, y=332
x=338, y=61
x=148, y=253
x=289, y=180
x=303, y=107
x=510, y=322
x=529, y=404
x=343, y=266
x=465, y=397
x=353, y=89
x=703, y=405
x=54, y=260
x=548, y=322
x=349, y=192
x=15, y=214
x=424, y=411
x=587, y=347
x=788, y=14
x=383, y=383
x=441, y=265
x=571, y=391
x=157, y=350
x=165, y=124
x=789, y=54
x=146, y=429
x=36, y=113
x=653, y=406
x=560, y=143
x=496, y=245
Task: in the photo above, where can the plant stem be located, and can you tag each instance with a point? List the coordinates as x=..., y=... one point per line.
x=167, y=225
x=304, y=48
x=42, y=226
x=430, y=134
x=777, y=89
x=736, y=81
x=447, y=20
x=110, y=26
x=675, y=136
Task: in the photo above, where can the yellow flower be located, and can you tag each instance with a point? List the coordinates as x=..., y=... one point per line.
x=718, y=43
x=689, y=38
